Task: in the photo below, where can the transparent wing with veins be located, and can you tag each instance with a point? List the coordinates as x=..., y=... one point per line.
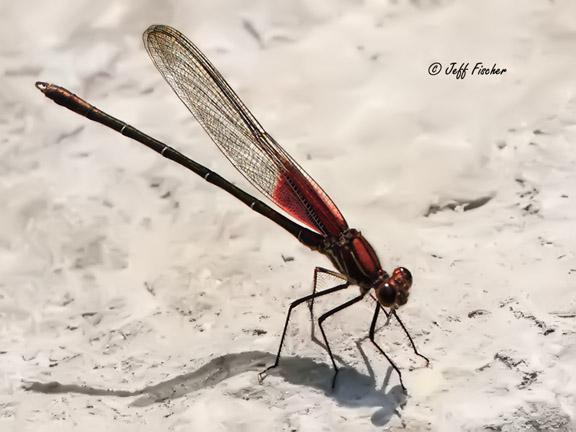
x=237, y=133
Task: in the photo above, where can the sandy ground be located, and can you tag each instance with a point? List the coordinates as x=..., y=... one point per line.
x=136, y=297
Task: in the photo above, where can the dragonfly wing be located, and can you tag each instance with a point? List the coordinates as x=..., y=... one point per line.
x=237, y=133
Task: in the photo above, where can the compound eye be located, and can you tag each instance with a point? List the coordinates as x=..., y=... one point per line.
x=403, y=275
x=386, y=294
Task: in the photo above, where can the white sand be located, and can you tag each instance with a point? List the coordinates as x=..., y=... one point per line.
x=153, y=299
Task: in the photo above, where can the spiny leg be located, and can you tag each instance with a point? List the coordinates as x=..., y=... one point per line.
x=336, y=276
x=315, y=283
x=371, y=336
x=410, y=338
x=295, y=303
x=321, y=320
x=393, y=312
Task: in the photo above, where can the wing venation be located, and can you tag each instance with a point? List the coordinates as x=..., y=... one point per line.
x=237, y=133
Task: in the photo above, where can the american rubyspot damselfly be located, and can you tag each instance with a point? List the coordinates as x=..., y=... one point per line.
x=237, y=133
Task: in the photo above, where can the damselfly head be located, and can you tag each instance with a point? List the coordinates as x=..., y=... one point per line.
x=394, y=291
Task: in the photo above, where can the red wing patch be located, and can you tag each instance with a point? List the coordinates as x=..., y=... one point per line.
x=302, y=198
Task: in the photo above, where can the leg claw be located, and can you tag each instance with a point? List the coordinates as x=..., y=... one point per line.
x=262, y=375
